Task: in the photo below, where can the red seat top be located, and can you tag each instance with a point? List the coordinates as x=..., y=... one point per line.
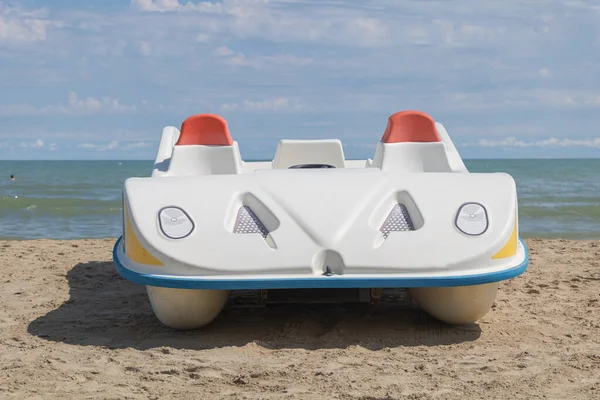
x=205, y=129
x=410, y=126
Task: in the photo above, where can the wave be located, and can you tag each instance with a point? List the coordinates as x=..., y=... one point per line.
x=57, y=206
x=559, y=211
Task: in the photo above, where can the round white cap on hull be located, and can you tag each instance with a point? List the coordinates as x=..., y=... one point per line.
x=456, y=305
x=186, y=308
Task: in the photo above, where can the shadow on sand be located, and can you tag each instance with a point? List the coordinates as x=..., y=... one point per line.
x=106, y=310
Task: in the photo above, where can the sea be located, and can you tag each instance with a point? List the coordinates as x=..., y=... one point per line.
x=558, y=198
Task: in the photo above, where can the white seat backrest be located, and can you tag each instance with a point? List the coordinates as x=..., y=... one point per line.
x=454, y=158
x=203, y=146
x=193, y=160
x=412, y=157
x=414, y=142
x=169, y=137
x=293, y=152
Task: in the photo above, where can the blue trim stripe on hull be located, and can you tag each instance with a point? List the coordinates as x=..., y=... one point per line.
x=193, y=282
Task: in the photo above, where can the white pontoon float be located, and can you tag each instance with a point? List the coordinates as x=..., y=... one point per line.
x=206, y=222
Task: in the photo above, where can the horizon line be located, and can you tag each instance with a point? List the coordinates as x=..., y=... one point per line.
x=265, y=159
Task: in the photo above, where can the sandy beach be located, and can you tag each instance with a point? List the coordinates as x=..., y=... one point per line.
x=71, y=327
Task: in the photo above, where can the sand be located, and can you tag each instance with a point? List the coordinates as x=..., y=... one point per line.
x=71, y=327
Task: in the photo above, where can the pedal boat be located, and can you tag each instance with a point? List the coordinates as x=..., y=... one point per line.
x=206, y=222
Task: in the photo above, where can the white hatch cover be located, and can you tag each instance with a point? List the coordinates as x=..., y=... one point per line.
x=175, y=223
x=472, y=219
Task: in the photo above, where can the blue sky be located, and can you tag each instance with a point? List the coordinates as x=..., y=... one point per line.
x=100, y=79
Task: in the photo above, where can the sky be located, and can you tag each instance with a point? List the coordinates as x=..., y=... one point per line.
x=83, y=79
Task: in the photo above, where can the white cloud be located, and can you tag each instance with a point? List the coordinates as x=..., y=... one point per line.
x=99, y=147
x=466, y=34
x=584, y=5
x=13, y=110
x=94, y=105
x=275, y=104
x=90, y=146
x=280, y=21
x=157, y=5
x=202, y=38
x=563, y=98
x=114, y=145
x=533, y=98
x=36, y=144
x=137, y=145
x=75, y=105
x=544, y=73
x=551, y=142
x=262, y=62
x=507, y=130
x=145, y=48
x=224, y=51
x=17, y=25
x=225, y=7
x=341, y=65
x=229, y=106
x=375, y=24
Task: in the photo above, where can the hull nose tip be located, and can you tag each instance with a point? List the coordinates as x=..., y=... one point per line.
x=329, y=262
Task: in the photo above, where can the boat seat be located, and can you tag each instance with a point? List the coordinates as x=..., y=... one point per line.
x=205, y=147
x=296, y=152
x=411, y=143
x=411, y=157
x=410, y=127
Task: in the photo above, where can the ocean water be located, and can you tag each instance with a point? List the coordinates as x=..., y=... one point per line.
x=82, y=199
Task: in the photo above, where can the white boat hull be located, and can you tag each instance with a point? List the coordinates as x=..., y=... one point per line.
x=207, y=222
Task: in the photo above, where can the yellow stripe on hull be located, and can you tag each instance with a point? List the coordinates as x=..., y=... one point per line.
x=133, y=248
x=510, y=248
